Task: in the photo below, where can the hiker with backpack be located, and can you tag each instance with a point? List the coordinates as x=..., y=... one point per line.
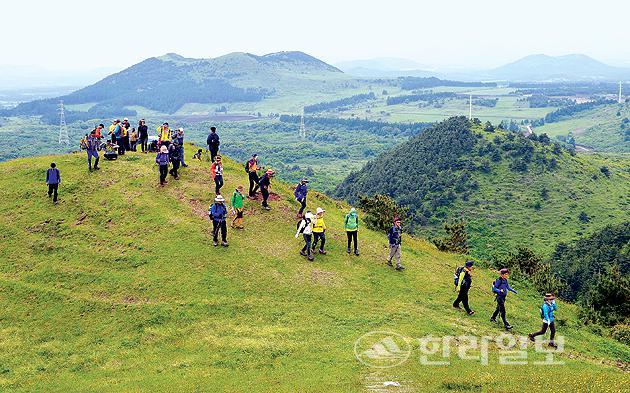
x=300, y=195
x=216, y=170
x=174, y=156
x=501, y=288
x=265, y=185
x=251, y=167
x=213, y=143
x=547, y=310
x=133, y=139
x=319, y=230
x=143, y=134
x=164, y=135
x=463, y=282
x=394, y=236
x=179, y=137
x=218, y=214
x=305, y=228
x=237, y=207
x=113, y=130
x=53, y=178
x=351, y=225
x=92, y=151
x=162, y=160
x=126, y=131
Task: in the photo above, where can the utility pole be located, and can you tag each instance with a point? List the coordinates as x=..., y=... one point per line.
x=63, y=128
x=302, y=127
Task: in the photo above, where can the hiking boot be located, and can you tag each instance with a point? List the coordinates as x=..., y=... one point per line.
x=266, y=208
x=302, y=253
x=471, y=312
x=493, y=320
x=458, y=307
x=356, y=252
x=311, y=257
x=322, y=252
x=97, y=168
x=531, y=337
x=215, y=244
x=224, y=244
x=185, y=165
x=552, y=344
x=348, y=250
x=508, y=327
x=400, y=268
x=389, y=263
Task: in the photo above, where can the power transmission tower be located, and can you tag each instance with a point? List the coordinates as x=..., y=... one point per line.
x=63, y=128
x=302, y=127
x=620, y=92
x=470, y=107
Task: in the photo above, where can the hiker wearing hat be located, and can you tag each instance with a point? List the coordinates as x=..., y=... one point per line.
x=265, y=184
x=394, y=236
x=164, y=135
x=305, y=227
x=464, y=282
x=162, y=160
x=143, y=135
x=216, y=170
x=179, y=137
x=174, y=155
x=300, y=195
x=113, y=130
x=546, y=313
x=126, y=127
x=319, y=230
x=237, y=207
x=213, y=143
x=501, y=288
x=351, y=225
x=218, y=215
x=251, y=167
x=92, y=151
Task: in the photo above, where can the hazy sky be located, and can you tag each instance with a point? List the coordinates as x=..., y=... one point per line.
x=480, y=33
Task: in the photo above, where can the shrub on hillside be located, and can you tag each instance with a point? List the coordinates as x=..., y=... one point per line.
x=621, y=333
x=456, y=239
x=380, y=211
x=524, y=263
x=608, y=298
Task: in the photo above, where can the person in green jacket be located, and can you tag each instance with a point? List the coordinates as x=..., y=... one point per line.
x=237, y=207
x=351, y=225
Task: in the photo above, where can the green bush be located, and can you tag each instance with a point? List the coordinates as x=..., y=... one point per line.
x=380, y=211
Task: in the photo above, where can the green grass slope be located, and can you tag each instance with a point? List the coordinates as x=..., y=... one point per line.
x=118, y=288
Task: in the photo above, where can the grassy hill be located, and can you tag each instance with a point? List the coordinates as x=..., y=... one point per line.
x=119, y=288
x=512, y=191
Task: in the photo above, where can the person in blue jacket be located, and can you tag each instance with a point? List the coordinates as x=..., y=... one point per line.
x=92, y=151
x=546, y=312
x=394, y=236
x=53, y=178
x=300, y=195
x=501, y=288
x=218, y=213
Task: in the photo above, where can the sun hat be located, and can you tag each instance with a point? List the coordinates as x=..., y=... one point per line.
x=504, y=271
x=219, y=198
x=397, y=219
x=270, y=172
x=163, y=149
x=304, y=180
x=319, y=210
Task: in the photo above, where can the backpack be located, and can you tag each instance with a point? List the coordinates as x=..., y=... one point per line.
x=458, y=271
x=542, y=312
x=307, y=221
x=247, y=166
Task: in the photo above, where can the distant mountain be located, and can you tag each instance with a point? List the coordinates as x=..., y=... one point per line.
x=384, y=67
x=168, y=82
x=573, y=67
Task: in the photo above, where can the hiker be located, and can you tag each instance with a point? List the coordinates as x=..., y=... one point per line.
x=300, y=195
x=143, y=134
x=237, y=207
x=216, y=170
x=394, y=235
x=197, y=155
x=119, y=131
x=501, y=288
x=351, y=225
x=265, y=184
x=92, y=151
x=305, y=227
x=218, y=214
x=112, y=130
x=546, y=313
x=213, y=143
x=179, y=137
x=174, y=152
x=126, y=134
x=53, y=178
x=98, y=132
x=133, y=139
x=463, y=282
x=251, y=167
x=164, y=135
x=162, y=160
x=319, y=230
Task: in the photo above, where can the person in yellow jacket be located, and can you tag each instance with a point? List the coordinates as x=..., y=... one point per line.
x=319, y=230
x=164, y=134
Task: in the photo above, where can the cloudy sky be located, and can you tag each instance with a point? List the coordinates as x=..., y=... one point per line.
x=72, y=34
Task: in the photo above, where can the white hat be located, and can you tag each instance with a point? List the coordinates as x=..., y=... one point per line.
x=163, y=149
x=320, y=210
x=308, y=215
x=125, y=119
x=181, y=129
x=219, y=198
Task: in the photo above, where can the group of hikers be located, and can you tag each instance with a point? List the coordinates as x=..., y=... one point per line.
x=312, y=227
x=501, y=287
